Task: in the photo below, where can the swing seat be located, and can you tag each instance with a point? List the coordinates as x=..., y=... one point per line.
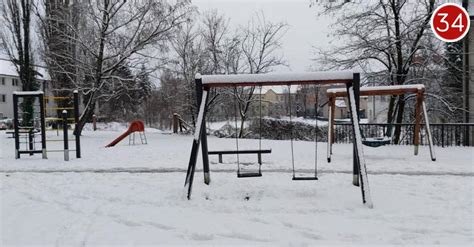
x=304, y=178
x=249, y=175
x=377, y=141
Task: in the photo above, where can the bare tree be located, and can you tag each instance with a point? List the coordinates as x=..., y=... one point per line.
x=15, y=32
x=58, y=21
x=117, y=31
x=386, y=34
x=214, y=48
x=190, y=59
x=261, y=40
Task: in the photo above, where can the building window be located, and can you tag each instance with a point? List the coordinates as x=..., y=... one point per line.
x=3, y=98
x=15, y=82
x=3, y=81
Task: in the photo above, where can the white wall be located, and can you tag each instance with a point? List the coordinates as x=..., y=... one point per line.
x=6, y=108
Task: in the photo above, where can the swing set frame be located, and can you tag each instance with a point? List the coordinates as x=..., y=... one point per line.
x=420, y=111
x=204, y=83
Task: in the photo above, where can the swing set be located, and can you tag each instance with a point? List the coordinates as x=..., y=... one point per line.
x=204, y=83
x=259, y=151
x=420, y=113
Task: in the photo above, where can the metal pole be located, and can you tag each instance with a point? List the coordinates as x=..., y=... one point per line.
x=94, y=122
x=175, y=123
x=15, y=125
x=65, y=136
x=330, y=126
x=43, y=125
x=31, y=141
x=76, y=121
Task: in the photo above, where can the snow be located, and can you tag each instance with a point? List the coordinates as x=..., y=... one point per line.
x=133, y=195
x=277, y=77
x=28, y=93
x=200, y=116
x=341, y=103
x=379, y=88
x=7, y=68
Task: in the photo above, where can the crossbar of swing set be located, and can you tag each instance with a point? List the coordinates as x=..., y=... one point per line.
x=205, y=83
x=380, y=91
x=275, y=79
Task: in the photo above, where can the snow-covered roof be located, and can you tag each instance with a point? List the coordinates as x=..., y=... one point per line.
x=7, y=68
x=276, y=78
x=379, y=88
x=27, y=92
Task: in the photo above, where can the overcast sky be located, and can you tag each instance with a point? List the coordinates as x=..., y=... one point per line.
x=306, y=29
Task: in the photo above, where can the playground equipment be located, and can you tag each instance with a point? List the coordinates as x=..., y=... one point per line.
x=240, y=172
x=420, y=112
x=180, y=124
x=66, y=109
x=135, y=126
x=207, y=82
x=315, y=175
x=27, y=131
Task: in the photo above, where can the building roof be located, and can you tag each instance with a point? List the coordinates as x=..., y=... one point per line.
x=7, y=68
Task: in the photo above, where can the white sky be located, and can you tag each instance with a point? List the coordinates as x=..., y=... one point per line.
x=306, y=29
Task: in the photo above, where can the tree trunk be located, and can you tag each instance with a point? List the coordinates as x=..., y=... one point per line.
x=86, y=116
x=398, y=128
x=242, y=123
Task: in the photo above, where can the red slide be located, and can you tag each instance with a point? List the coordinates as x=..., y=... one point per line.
x=135, y=126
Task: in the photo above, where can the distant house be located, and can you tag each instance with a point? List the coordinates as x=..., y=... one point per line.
x=9, y=83
x=275, y=102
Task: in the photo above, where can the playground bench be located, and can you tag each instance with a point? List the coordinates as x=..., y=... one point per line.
x=258, y=152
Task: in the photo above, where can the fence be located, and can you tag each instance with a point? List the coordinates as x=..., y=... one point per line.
x=448, y=134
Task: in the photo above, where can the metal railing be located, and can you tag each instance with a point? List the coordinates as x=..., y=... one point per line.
x=444, y=135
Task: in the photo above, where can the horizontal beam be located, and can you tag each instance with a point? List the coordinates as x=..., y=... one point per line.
x=381, y=90
x=276, y=79
x=263, y=151
x=28, y=93
x=59, y=97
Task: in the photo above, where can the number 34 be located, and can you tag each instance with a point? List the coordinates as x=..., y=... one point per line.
x=456, y=24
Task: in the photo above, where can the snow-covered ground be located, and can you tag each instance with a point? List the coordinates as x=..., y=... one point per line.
x=134, y=195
